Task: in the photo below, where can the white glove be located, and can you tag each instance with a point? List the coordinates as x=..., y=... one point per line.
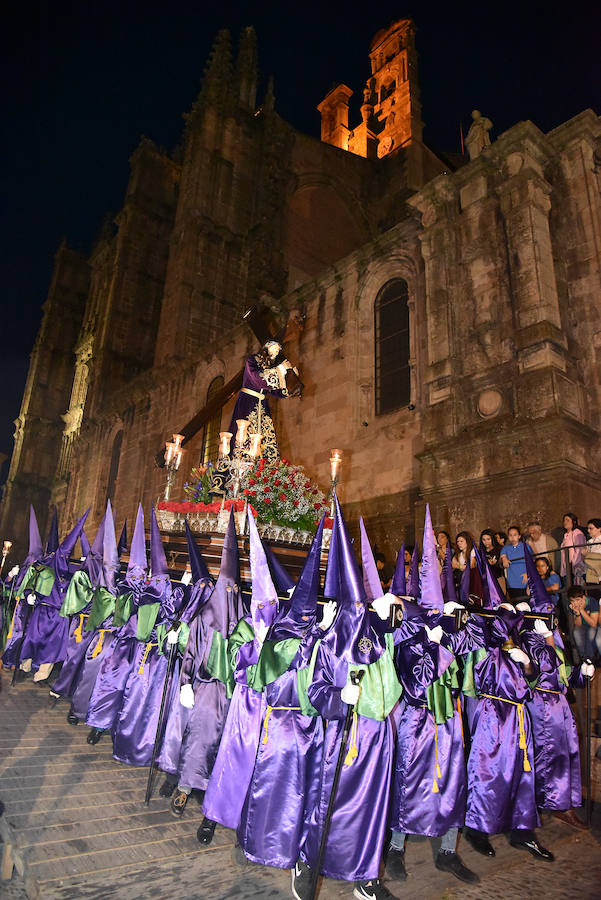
x=31, y=599
x=261, y=632
x=523, y=606
x=350, y=693
x=186, y=577
x=450, y=607
x=291, y=591
x=507, y=606
x=434, y=634
x=186, y=696
x=329, y=611
x=382, y=605
x=519, y=656
x=541, y=628
x=587, y=669
x=14, y=571
x=173, y=635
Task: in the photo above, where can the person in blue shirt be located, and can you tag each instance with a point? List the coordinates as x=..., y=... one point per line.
x=512, y=556
x=551, y=579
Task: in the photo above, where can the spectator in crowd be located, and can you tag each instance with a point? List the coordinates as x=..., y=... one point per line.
x=408, y=555
x=513, y=559
x=464, y=555
x=574, y=539
x=551, y=579
x=384, y=573
x=443, y=539
x=541, y=543
x=592, y=559
x=492, y=550
x=501, y=538
x=586, y=631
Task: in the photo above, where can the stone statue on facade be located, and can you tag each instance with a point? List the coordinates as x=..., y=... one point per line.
x=478, y=138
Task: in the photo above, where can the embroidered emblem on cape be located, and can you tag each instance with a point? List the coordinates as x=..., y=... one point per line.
x=365, y=645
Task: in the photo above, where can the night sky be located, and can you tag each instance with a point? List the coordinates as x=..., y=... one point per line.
x=84, y=80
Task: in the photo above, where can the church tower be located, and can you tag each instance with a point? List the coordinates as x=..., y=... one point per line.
x=391, y=109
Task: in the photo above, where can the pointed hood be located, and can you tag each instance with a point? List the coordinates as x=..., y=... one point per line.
x=446, y=577
x=36, y=551
x=122, y=545
x=413, y=578
x=540, y=601
x=299, y=617
x=282, y=579
x=158, y=561
x=85, y=544
x=264, y=597
x=351, y=636
x=197, y=563
x=52, y=540
x=464, y=584
x=495, y=595
x=430, y=590
x=137, y=565
x=93, y=563
x=398, y=585
x=371, y=579
x=223, y=610
x=110, y=555
x=60, y=559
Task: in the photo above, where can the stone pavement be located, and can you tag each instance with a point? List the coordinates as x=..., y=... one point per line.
x=81, y=830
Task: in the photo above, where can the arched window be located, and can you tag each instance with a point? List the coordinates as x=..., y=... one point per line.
x=210, y=438
x=391, y=330
x=114, y=467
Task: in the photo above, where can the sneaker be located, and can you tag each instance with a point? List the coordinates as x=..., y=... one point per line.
x=395, y=864
x=302, y=878
x=451, y=862
x=372, y=890
x=178, y=803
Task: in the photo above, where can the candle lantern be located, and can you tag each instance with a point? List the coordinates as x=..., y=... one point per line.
x=243, y=425
x=224, y=442
x=335, y=465
x=255, y=445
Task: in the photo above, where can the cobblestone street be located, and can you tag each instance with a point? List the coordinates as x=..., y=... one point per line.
x=81, y=830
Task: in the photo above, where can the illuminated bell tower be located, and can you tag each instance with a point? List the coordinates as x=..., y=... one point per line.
x=391, y=110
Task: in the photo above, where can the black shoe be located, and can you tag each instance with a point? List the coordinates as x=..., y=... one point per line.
x=372, y=890
x=302, y=879
x=52, y=700
x=479, y=842
x=167, y=788
x=73, y=720
x=450, y=862
x=178, y=803
x=206, y=831
x=94, y=735
x=395, y=864
x=534, y=848
x=238, y=857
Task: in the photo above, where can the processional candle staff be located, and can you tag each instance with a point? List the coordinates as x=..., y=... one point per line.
x=335, y=464
x=173, y=458
x=5, y=551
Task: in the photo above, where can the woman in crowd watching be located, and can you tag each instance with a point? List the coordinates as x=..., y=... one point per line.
x=585, y=610
x=551, y=579
x=492, y=550
x=591, y=555
x=574, y=539
x=443, y=539
x=464, y=555
x=513, y=559
x=501, y=538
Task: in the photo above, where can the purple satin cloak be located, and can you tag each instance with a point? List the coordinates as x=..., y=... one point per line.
x=47, y=633
x=422, y=745
x=109, y=685
x=9, y=657
x=283, y=789
x=500, y=792
x=77, y=646
x=556, y=752
x=177, y=719
x=136, y=724
x=232, y=772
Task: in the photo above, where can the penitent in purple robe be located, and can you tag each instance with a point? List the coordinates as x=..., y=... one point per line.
x=500, y=772
x=428, y=782
x=556, y=752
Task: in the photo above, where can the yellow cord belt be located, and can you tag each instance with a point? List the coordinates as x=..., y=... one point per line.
x=547, y=690
x=78, y=633
x=353, y=751
x=99, y=643
x=147, y=650
x=523, y=746
x=12, y=621
x=270, y=709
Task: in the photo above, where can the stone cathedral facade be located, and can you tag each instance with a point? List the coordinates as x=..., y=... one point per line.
x=449, y=310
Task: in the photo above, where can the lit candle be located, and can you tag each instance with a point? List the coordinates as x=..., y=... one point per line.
x=177, y=440
x=224, y=442
x=170, y=452
x=6, y=547
x=255, y=445
x=335, y=463
x=178, y=457
x=241, y=433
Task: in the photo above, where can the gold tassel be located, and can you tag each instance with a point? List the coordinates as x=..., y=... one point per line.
x=149, y=647
x=267, y=715
x=435, y=789
x=353, y=752
x=99, y=643
x=12, y=621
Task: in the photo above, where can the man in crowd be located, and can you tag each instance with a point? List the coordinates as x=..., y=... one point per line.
x=539, y=543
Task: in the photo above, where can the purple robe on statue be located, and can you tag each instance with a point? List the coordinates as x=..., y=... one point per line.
x=264, y=381
x=556, y=752
x=500, y=769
